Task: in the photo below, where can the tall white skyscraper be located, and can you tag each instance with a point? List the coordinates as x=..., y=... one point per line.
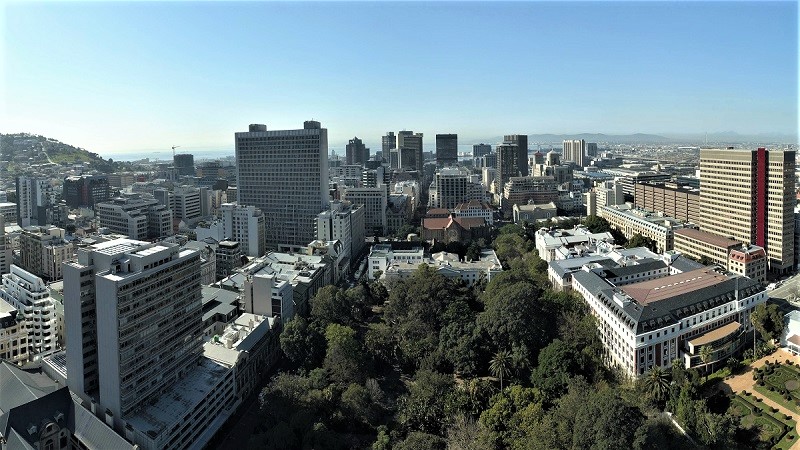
x=133, y=320
x=575, y=151
x=284, y=173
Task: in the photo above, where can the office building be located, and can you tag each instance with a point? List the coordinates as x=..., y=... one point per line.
x=574, y=150
x=284, y=173
x=591, y=149
x=35, y=201
x=479, y=150
x=610, y=193
x=343, y=222
x=389, y=143
x=512, y=160
x=409, y=151
x=525, y=190
x=552, y=167
x=646, y=324
x=451, y=187
x=42, y=250
x=382, y=256
x=375, y=200
x=186, y=203
x=446, y=149
x=86, y=190
x=136, y=216
x=229, y=257
x=356, y=152
x=245, y=225
x=184, y=164
x=749, y=195
x=631, y=221
x=743, y=259
x=670, y=199
x=629, y=178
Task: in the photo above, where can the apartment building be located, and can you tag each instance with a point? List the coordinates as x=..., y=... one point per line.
x=343, y=222
x=29, y=295
x=525, y=190
x=245, y=225
x=13, y=335
x=138, y=216
x=42, y=250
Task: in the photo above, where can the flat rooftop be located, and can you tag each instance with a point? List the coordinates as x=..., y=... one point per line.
x=715, y=335
x=673, y=286
x=709, y=238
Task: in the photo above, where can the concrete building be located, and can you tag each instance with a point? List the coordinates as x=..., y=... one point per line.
x=525, y=190
x=186, y=203
x=450, y=266
x=512, y=160
x=229, y=257
x=13, y=335
x=382, y=256
x=447, y=149
x=750, y=196
x=652, y=323
x=670, y=199
x=748, y=261
x=574, y=150
x=35, y=201
x=704, y=246
x=631, y=221
x=184, y=164
x=5, y=247
x=356, y=152
x=451, y=187
x=610, y=193
x=629, y=178
x=86, y=190
x=343, y=222
x=208, y=260
x=42, y=250
x=268, y=295
x=389, y=143
x=136, y=216
x=284, y=174
x=475, y=208
x=558, y=244
x=245, y=225
x=409, y=150
x=29, y=295
x=532, y=213
x=375, y=201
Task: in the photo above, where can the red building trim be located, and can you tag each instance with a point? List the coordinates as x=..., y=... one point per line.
x=761, y=197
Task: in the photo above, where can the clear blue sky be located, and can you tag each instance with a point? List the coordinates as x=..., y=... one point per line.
x=121, y=77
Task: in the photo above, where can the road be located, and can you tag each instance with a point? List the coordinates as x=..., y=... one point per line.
x=785, y=296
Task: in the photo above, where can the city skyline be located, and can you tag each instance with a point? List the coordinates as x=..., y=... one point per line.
x=116, y=78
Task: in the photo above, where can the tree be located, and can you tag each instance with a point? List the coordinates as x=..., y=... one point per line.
x=706, y=353
x=473, y=252
x=403, y=232
x=420, y=441
x=500, y=365
x=344, y=360
x=302, y=343
x=558, y=362
x=657, y=384
x=463, y=434
x=768, y=320
x=424, y=407
x=597, y=224
x=658, y=434
x=332, y=305
x=637, y=240
x=605, y=421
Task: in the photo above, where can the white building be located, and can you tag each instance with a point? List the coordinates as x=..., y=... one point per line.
x=284, y=173
x=475, y=208
x=381, y=256
x=28, y=294
x=245, y=225
x=449, y=265
x=265, y=294
x=136, y=216
x=559, y=244
x=186, y=203
x=631, y=221
x=375, y=200
x=451, y=187
x=345, y=223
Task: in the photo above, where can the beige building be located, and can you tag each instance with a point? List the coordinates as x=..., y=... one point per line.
x=680, y=202
x=749, y=261
x=702, y=245
x=749, y=195
x=631, y=221
x=42, y=250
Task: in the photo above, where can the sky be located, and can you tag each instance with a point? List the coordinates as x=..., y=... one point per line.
x=117, y=77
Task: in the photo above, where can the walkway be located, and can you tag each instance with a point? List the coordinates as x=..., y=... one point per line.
x=745, y=382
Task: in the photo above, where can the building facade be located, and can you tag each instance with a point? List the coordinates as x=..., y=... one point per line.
x=245, y=225
x=136, y=216
x=512, y=160
x=86, y=190
x=284, y=173
x=29, y=295
x=446, y=149
x=356, y=152
x=670, y=199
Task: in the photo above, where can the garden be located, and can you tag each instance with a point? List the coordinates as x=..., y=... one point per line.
x=780, y=383
x=761, y=426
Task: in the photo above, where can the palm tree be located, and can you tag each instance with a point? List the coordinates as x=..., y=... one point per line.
x=500, y=365
x=657, y=383
x=705, y=355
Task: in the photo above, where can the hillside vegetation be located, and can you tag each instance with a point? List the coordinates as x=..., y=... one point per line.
x=36, y=149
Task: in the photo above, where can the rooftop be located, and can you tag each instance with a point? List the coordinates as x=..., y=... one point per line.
x=709, y=238
x=715, y=334
x=650, y=291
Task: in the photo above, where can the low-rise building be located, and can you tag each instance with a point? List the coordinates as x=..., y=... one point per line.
x=208, y=260
x=749, y=261
x=228, y=257
x=455, y=229
x=631, y=221
x=558, y=243
x=534, y=212
x=475, y=208
x=13, y=334
x=728, y=253
x=451, y=266
x=382, y=256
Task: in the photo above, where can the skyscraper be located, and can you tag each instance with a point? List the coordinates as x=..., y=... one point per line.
x=446, y=149
x=133, y=321
x=356, y=152
x=284, y=173
x=409, y=149
x=750, y=195
x=35, y=200
x=512, y=160
x=479, y=150
x=574, y=151
x=388, y=143
x=184, y=164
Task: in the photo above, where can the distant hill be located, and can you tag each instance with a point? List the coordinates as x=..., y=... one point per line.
x=36, y=149
x=637, y=138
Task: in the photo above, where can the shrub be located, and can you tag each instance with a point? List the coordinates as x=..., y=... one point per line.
x=774, y=410
x=772, y=388
x=788, y=362
x=791, y=436
x=758, y=400
x=760, y=382
x=787, y=417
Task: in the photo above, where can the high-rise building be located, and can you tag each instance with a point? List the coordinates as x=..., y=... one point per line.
x=86, y=190
x=591, y=149
x=133, y=319
x=409, y=150
x=452, y=187
x=375, y=201
x=446, y=149
x=35, y=201
x=512, y=160
x=356, y=152
x=750, y=195
x=284, y=173
x=388, y=142
x=184, y=164
x=186, y=203
x=479, y=150
x=343, y=222
x=42, y=250
x=575, y=151
x=245, y=225
x=29, y=295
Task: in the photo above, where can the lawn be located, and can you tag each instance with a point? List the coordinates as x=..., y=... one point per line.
x=766, y=426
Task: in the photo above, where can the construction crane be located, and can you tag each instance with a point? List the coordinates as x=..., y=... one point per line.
x=173, y=150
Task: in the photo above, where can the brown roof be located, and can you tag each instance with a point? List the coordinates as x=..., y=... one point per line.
x=673, y=285
x=438, y=223
x=708, y=238
x=794, y=339
x=715, y=335
x=437, y=211
x=473, y=204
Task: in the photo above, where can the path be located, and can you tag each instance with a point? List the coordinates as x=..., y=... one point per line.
x=745, y=382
